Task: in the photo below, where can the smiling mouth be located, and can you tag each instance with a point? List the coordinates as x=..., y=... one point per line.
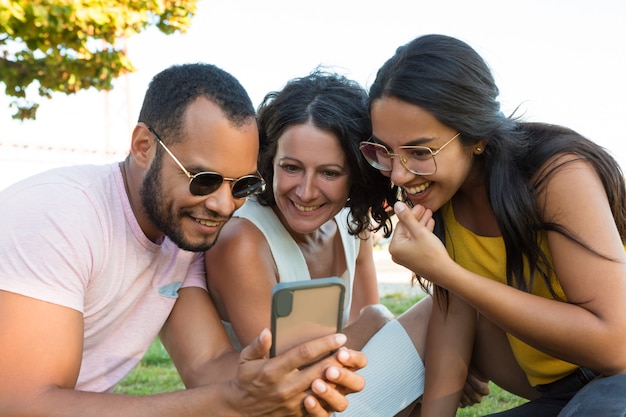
x=208, y=223
x=306, y=208
x=418, y=189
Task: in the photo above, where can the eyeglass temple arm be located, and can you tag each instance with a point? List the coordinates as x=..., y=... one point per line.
x=170, y=153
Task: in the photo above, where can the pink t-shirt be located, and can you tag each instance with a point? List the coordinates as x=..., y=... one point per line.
x=68, y=236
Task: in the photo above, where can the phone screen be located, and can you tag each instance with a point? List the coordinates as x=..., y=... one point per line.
x=305, y=310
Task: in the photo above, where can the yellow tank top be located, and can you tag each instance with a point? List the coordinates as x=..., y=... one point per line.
x=486, y=256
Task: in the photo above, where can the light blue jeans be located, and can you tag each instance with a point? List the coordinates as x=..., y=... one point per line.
x=582, y=394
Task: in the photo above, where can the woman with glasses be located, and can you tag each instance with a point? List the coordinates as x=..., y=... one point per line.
x=520, y=227
x=313, y=218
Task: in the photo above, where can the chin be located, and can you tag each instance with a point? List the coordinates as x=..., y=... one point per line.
x=200, y=245
x=304, y=229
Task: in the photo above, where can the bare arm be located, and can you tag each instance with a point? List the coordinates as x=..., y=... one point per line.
x=197, y=342
x=365, y=287
x=41, y=350
x=448, y=351
x=367, y=316
x=240, y=275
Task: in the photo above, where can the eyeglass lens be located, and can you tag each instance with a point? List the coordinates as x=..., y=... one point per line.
x=416, y=159
x=205, y=183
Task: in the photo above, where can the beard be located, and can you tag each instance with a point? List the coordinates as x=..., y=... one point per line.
x=161, y=212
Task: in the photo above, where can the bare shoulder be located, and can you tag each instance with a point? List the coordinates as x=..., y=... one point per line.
x=563, y=165
x=564, y=176
x=236, y=237
x=573, y=196
x=240, y=248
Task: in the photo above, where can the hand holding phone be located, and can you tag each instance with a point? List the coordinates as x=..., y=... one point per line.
x=305, y=310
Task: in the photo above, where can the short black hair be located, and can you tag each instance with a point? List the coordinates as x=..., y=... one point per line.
x=171, y=92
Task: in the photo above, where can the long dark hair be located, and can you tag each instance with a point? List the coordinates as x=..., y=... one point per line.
x=338, y=105
x=448, y=78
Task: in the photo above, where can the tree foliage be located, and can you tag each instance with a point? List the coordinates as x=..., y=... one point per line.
x=70, y=45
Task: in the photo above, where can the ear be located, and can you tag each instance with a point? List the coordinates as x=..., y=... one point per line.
x=142, y=145
x=479, y=147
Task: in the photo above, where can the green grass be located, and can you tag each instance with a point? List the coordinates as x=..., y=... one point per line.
x=156, y=373
x=399, y=302
x=498, y=400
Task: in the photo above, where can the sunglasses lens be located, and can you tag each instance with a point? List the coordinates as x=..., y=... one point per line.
x=205, y=183
x=376, y=155
x=246, y=186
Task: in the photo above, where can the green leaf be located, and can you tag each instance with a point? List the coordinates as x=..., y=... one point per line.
x=70, y=46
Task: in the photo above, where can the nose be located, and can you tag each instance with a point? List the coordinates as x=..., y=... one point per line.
x=307, y=189
x=222, y=201
x=399, y=174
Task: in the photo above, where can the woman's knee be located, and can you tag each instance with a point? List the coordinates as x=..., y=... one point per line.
x=415, y=323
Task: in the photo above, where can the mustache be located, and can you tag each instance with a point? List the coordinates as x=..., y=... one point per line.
x=210, y=215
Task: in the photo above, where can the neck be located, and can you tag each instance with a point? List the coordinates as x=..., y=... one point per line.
x=301, y=239
x=131, y=185
x=125, y=168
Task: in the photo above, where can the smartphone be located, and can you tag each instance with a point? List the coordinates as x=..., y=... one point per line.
x=305, y=310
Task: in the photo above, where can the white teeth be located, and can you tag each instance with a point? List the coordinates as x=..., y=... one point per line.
x=418, y=189
x=207, y=223
x=306, y=208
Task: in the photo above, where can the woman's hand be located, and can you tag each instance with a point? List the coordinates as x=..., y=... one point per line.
x=414, y=245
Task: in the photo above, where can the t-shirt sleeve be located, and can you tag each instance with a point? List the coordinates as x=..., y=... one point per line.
x=49, y=243
x=197, y=273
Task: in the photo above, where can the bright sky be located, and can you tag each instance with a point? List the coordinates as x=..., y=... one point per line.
x=563, y=61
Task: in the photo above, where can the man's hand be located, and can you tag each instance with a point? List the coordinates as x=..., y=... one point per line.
x=283, y=386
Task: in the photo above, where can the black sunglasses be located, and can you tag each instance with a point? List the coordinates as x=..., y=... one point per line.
x=205, y=183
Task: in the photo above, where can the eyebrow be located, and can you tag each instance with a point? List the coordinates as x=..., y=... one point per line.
x=414, y=142
x=336, y=166
x=196, y=169
x=325, y=166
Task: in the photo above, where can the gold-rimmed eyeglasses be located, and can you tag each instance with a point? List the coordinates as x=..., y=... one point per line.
x=419, y=160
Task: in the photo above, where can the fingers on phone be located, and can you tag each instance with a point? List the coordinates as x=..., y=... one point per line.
x=335, y=400
x=311, y=352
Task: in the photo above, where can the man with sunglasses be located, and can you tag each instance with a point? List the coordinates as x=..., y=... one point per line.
x=99, y=260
